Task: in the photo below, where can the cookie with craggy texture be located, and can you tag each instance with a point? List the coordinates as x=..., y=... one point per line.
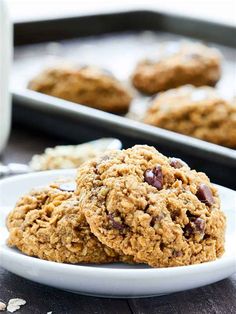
x=198, y=112
x=88, y=85
x=48, y=223
x=178, y=64
x=151, y=207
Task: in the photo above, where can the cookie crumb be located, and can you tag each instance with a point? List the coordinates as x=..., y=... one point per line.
x=15, y=304
x=2, y=306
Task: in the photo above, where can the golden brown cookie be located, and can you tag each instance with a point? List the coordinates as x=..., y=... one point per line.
x=88, y=85
x=48, y=223
x=188, y=63
x=198, y=112
x=152, y=207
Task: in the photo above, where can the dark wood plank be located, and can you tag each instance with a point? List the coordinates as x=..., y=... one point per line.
x=41, y=299
x=218, y=298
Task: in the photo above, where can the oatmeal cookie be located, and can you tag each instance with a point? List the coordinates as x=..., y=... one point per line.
x=152, y=207
x=188, y=63
x=87, y=85
x=47, y=223
x=197, y=112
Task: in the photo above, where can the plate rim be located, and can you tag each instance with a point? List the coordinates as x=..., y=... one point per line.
x=216, y=264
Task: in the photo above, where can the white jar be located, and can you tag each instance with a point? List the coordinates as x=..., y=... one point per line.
x=5, y=61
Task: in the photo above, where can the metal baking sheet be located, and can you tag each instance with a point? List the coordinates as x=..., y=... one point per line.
x=117, y=43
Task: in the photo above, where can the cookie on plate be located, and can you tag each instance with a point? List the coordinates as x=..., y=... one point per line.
x=48, y=223
x=178, y=64
x=198, y=112
x=151, y=207
x=86, y=85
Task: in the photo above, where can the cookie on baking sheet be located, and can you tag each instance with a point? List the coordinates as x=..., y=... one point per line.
x=198, y=112
x=86, y=85
x=152, y=207
x=178, y=64
x=48, y=223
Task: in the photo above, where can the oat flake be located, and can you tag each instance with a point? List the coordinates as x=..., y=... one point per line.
x=15, y=304
x=2, y=306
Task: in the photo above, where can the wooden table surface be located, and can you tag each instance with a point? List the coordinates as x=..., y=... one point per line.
x=216, y=298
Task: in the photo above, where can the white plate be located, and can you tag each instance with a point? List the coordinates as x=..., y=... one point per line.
x=115, y=280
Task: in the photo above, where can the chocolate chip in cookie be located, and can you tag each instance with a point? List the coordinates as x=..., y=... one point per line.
x=177, y=253
x=196, y=225
x=177, y=163
x=204, y=194
x=154, y=177
x=200, y=224
x=156, y=219
x=115, y=224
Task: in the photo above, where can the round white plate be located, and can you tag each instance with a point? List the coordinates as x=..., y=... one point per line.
x=115, y=280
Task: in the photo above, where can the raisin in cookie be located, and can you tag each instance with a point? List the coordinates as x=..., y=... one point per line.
x=189, y=63
x=87, y=85
x=197, y=112
x=152, y=207
x=47, y=223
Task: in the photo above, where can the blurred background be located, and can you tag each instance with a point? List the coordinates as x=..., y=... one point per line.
x=214, y=10
x=47, y=30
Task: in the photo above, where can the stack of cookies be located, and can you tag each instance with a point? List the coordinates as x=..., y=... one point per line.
x=132, y=206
